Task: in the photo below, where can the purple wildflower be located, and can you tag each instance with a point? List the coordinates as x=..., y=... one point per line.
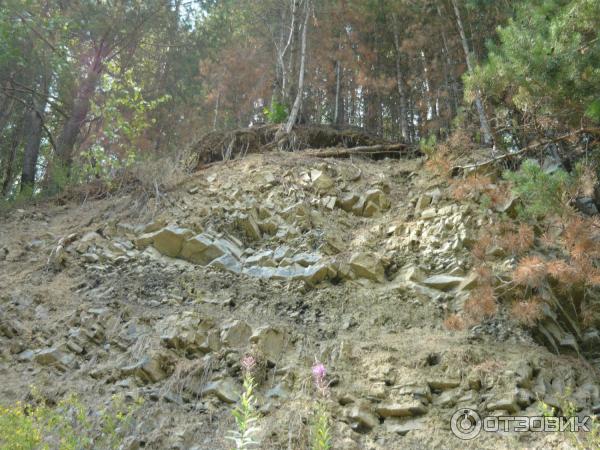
x=319, y=373
x=248, y=363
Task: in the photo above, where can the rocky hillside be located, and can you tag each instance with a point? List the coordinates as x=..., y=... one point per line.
x=353, y=263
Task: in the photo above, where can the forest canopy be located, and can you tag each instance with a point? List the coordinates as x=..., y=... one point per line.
x=89, y=88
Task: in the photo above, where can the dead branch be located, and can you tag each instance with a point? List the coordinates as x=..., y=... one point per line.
x=455, y=171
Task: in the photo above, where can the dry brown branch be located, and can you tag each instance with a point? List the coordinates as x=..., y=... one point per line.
x=457, y=170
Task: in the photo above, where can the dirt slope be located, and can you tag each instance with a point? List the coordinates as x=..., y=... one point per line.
x=353, y=263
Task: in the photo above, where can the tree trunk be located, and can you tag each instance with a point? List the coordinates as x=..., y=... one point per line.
x=451, y=82
x=298, y=102
x=485, y=126
x=80, y=109
x=217, y=104
x=34, y=136
x=400, y=81
x=338, y=116
x=9, y=174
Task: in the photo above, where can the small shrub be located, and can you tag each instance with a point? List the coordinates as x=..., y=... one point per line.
x=531, y=272
x=519, y=241
x=321, y=432
x=481, y=304
x=454, y=322
x=244, y=413
x=580, y=440
x=542, y=193
x=527, y=312
x=68, y=426
x=277, y=113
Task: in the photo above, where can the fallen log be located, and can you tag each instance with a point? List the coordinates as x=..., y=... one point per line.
x=364, y=151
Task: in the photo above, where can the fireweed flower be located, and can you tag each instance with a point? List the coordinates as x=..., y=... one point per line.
x=248, y=363
x=319, y=373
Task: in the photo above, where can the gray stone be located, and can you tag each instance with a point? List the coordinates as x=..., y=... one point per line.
x=348, y=201
x=225, y=390
x=443, y=282
x=90, y=258
x=368, y=265
x=169, y=241
x=321, y=181
x=148, y=369
x=270, y=341
x=265, y=259
x=423, y=202
x=403, y=427
x=508, y=403
x=248, y=226
x=443, y=384
x=236, y=334
x=53, y=357
x=448, y=398
x=361, y=418
x=228, y=263
x=306, y=259
x=406, y=408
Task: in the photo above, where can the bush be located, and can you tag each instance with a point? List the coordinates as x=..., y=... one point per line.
x=542, y=193
x=277, y=113
x=68, y=426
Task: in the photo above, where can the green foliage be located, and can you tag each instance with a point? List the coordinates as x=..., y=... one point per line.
x=125, y=114
x=245, y=417
x=428, y=145
x=542, y=193
x=547, y=61
x=593, y=111
x=580, y=441
x=278, y=113
x=321, y=435
x=68, y=426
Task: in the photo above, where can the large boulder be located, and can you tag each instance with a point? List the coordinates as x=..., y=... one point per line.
x=169, y=241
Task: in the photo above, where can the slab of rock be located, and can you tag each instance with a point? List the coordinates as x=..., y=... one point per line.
x=321, y=181
x=270, y=341
x=443, y=384
x=378, y=198
x=361, y=418
x=423, y=202
x=169, y=241
x=201, y=250
x=443, y=282
x=408, y=408
x=368, y=265
x=149, y=369
x=144, y=241
x=53, y=357
x=186, y=332
x=403, y=427
x=317, y=273
x=448, y=398
x=265, y=259
x=225, y=390
x=507, y=403
x=348, y=201
x=248, y=226
x=236, y=334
